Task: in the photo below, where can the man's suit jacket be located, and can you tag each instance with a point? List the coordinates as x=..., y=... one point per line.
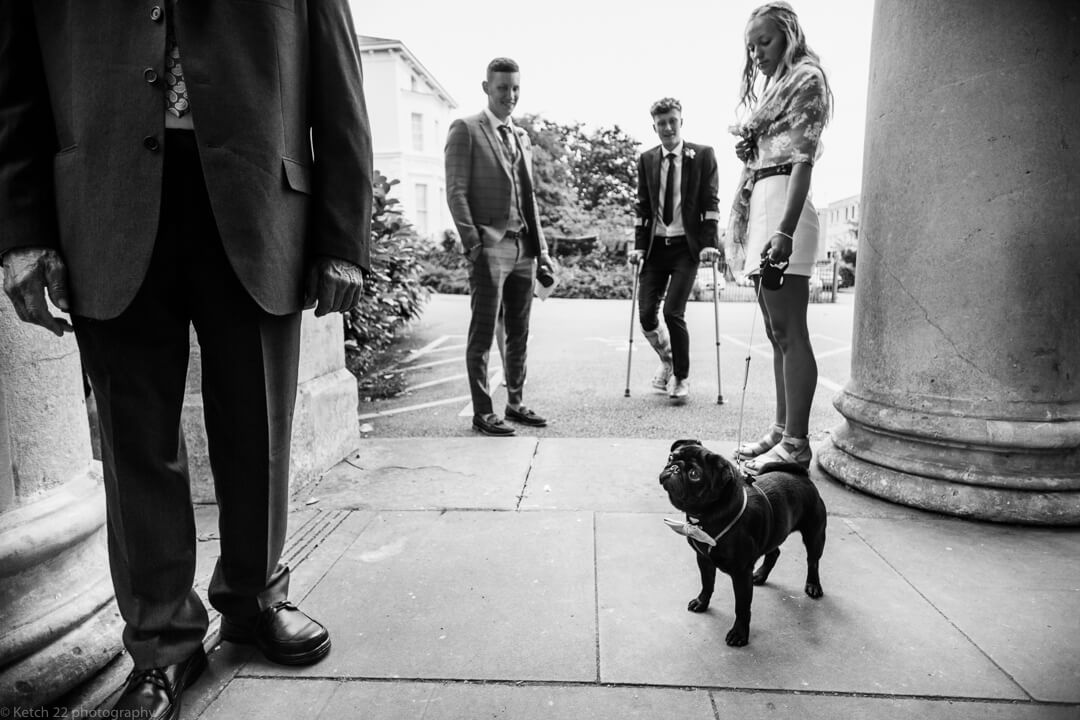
x=700, y=197
x=478, y=188
x=82, y=136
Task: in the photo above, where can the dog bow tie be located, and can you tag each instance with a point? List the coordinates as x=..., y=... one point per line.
x=694, y=531
x=690, y=530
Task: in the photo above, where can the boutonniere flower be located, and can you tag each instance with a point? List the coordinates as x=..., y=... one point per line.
x=689, y=152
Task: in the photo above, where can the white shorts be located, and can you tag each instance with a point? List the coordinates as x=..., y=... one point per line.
x=767, y=204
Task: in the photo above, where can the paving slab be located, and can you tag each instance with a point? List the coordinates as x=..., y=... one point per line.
x=872, y=632
x=597, y=474
x=326, y=700
x=783, y=706
x=1014, y=591
x=428, y=474
x=465, y=595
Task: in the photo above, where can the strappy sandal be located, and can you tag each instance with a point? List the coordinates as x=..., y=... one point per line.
x=780, y=454
x=763, y=445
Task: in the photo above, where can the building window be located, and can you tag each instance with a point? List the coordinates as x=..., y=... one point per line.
x=421, y=209
x=418, y=132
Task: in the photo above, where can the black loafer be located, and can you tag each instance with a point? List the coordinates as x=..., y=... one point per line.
x=525, y=416
x=155, y=693
x=285, y=634
x=492, y=424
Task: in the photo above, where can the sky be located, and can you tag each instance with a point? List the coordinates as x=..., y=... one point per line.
x=603, y=62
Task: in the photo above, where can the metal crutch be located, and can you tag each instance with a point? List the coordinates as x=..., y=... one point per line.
x=630, y=347
x=716, y=322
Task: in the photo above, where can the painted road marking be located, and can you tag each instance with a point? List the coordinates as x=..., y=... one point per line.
x=825, y=382
x=494, y=381
x=410, y=408
x=433, y=383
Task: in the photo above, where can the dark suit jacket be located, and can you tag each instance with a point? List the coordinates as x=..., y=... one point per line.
x=700, y=197
x=82, y=130
x=478, y=187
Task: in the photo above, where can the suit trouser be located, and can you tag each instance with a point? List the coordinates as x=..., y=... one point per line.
x=666, y=263
x=500, y=279
x=137, y=365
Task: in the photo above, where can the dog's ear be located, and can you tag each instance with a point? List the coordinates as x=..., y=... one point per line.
x=722, y=467
x=686, y=441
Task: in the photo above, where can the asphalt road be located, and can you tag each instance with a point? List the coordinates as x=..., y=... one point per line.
x=577, y=373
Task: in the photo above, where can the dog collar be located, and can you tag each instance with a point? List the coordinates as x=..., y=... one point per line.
x=692, y=529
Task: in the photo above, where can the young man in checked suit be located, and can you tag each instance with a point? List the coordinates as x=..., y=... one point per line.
x=490, y=192
x=677, y=213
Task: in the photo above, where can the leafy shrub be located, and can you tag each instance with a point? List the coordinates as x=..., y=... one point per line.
x=393, y=294
x=595, y=275
x=847, y=267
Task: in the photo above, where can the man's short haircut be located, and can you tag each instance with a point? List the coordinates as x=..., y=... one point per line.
x=665, y=105
x=502, y=64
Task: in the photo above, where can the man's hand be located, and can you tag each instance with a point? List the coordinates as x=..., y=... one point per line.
x=634, y=257
x=710, y=254
x=335, y=284
x=28, y=272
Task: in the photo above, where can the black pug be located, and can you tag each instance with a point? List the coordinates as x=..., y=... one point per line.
x=731, y=522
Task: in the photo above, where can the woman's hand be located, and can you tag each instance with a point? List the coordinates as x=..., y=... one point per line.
x=744, y=150
x=779, y=247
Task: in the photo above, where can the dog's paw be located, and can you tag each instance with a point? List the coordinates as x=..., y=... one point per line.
x=698, y=605
x=737, y=636
x=814, y=590
x=760, y=577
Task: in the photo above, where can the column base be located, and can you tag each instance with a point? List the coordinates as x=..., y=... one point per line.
x=839, y=457
x=58, y=622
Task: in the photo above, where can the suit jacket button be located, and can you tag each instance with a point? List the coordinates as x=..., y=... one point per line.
x=150, y=75
x=151, y=143
x=155, y=14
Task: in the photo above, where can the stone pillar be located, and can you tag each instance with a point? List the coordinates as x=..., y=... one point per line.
x=325, y=425
x=58, y=622
x=964, y=395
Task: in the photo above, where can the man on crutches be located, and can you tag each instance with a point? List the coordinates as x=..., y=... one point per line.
x=677, y=211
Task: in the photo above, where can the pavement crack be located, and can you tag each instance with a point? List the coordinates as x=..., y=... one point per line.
x=528, y=474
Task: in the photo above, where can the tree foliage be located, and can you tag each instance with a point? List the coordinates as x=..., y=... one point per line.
x=585, y=182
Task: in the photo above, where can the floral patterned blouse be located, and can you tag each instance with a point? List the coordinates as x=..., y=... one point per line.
x=786, y=128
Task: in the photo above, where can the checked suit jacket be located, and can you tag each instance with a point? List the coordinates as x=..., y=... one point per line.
x=700, y=197
x=478, y=188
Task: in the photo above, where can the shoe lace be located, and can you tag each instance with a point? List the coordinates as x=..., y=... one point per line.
x=154, y=676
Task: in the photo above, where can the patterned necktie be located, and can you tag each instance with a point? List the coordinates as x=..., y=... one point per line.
x=669, y=190
x=176, y=96
x=508, y=142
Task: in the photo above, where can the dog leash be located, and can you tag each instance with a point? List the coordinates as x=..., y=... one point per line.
x=746, y=376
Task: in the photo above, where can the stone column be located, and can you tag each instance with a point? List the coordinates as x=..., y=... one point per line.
x=964, y=395
x=325, y=424
x=58, y=622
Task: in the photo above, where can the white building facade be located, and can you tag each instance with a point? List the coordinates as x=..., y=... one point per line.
x=839, y=223
x=410, y=114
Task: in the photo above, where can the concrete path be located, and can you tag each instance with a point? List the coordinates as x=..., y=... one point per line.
x=530, y=578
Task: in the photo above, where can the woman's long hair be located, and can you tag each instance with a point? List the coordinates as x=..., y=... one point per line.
x=795, y=51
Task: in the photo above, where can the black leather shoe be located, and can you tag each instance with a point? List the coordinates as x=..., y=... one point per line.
x=492, y=424
x=525, y=416
x=284, y=634
x=154, y=693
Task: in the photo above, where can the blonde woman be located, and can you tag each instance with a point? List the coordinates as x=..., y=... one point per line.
x=788, y=98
